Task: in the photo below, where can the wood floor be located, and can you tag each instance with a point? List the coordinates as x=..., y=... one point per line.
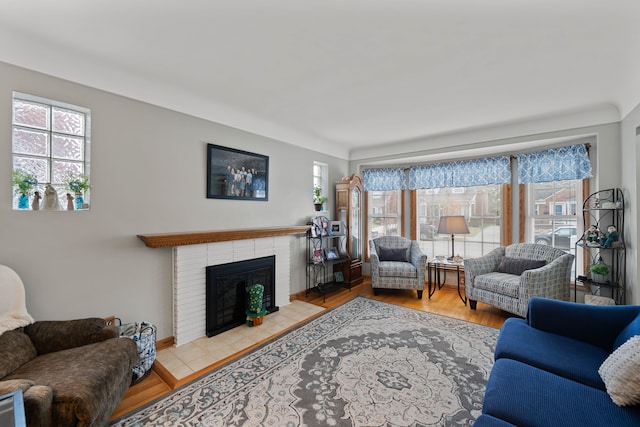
x=444, y=301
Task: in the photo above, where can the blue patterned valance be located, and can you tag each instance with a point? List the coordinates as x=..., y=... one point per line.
x=556, y=164
x=465, y=173
x=386, y=179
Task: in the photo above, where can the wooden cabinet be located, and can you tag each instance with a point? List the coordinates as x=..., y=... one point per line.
x=349, y=204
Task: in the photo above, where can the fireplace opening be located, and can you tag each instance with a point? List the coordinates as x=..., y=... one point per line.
x=227, y=291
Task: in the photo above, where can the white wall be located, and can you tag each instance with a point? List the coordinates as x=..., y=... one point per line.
x=148, y=168
x=629, y=161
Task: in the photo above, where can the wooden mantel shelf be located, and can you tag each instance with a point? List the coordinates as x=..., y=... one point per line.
x=200, y=237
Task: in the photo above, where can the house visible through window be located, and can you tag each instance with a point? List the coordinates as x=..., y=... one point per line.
x=482, y=208
x=385, y=213
x=50, y=148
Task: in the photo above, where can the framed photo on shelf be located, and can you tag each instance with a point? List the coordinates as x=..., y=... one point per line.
x=236, y=174
x=338, y=277
x=331, y=254
x=317, y=256
x=337, y=228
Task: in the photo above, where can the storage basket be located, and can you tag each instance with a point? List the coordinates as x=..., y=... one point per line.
x=144, y=335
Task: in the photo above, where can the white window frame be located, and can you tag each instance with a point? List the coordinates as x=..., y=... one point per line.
x=59, y=186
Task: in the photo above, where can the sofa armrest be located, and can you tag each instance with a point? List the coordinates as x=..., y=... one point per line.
x=594, y=324
x=482, y=265
x=549, y=281
x=55, y=335
x=37, y=400
x=374, y=260
x=419, y=260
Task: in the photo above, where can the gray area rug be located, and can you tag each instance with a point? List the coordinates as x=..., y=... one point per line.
x=364, y=363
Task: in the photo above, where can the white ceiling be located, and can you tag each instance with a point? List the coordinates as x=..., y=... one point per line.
x=346, y=77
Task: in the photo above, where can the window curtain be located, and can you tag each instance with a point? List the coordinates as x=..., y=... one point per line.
x=386, y=179
x=466, y=173
x=556, y=164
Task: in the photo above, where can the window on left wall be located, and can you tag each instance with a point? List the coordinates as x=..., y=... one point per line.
x=50, y=154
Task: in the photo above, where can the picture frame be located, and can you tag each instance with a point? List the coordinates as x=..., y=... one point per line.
x=337, y=228
x=331, y=254
x=317, y=256
x=236, y=174
x=338, y=277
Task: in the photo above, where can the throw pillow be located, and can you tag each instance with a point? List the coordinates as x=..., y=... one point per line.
x=518, y=265
x=620, y=373
x=392, y=254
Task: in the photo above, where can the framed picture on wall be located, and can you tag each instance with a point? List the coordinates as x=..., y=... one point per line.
x=236, y=174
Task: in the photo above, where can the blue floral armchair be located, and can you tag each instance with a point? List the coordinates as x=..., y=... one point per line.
x=397, y=263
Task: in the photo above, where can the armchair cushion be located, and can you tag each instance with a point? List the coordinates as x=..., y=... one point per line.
x=397, y=269
x=516, y=266
x=16, y=349
x=621, y=373
x=499, y=283
x=393, y=254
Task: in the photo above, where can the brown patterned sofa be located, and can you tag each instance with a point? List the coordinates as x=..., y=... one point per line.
x=72, y=373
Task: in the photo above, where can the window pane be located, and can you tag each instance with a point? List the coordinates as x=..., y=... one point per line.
x=30, y=142
x=67, y=147
x=30, y=114
x=61, y=170
x=482, y=208
x=69, y=122
x=38, y=167
x=384, y=213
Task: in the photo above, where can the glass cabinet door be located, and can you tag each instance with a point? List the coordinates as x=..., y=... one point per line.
x=355, y=223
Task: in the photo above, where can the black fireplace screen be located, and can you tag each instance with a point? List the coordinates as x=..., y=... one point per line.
x=228, y=289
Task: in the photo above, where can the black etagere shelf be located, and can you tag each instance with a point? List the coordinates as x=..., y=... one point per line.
x=601, y=210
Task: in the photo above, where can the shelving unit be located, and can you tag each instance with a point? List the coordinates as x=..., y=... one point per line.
x=321, y=272
x=602, y=209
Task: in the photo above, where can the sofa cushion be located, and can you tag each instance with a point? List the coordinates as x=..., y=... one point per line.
x=393, y=254
x=527, y=396
x=631, y=330
x=16, y=349
x=499, y=283
x=516, y=266
x=577, y=360
x=621, y=373
x=397, y=269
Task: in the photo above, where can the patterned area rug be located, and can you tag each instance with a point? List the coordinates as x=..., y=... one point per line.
x=364, y=363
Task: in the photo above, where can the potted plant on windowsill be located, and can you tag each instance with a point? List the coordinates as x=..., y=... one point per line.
x=318, y=198
x=23, y=183
x=599, y=272
x=78, y=184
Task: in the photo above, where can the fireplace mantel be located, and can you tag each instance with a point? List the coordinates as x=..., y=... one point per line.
x=199, y=237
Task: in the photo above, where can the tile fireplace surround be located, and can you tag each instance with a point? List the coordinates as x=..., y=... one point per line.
x=193, y=252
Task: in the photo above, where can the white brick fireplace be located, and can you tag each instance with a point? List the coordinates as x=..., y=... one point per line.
x=193, y=252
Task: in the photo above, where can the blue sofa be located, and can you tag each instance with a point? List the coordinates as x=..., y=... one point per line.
x=546, y=367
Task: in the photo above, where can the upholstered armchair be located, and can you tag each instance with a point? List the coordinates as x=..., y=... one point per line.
x=509, y=276
x=397, y=263
x=71, y=372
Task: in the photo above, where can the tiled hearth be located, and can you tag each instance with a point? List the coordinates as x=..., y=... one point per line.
x=203, y=352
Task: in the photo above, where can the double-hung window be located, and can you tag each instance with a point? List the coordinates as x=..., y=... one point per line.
x=51, y=146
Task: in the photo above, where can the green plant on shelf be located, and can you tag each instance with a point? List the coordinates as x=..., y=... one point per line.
x=599, y=268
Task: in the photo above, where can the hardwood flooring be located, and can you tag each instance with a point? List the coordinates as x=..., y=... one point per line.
x=444, y=301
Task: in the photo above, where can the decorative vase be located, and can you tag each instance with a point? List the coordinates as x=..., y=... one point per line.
x=79, y=201
x=23, y=201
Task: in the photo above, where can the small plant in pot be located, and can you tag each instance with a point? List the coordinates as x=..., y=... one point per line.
x=599, y=272
x=318, y=198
